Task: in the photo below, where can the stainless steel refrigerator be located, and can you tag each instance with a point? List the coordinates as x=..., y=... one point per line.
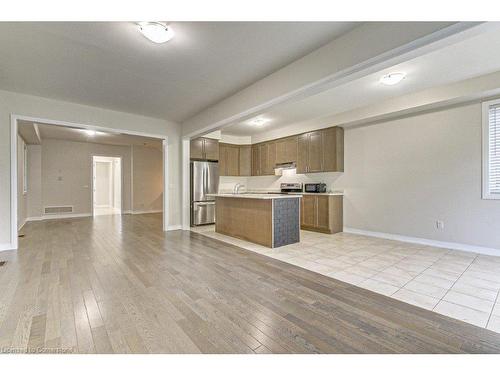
x=204, y=180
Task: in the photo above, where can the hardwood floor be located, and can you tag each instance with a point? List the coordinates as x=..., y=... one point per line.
x=118, y=284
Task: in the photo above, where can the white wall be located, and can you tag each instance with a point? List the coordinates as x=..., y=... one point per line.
x=403, y=175
x=20, y=104
x=68, y=180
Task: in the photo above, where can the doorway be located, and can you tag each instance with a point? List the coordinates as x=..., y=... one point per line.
x=106, y=185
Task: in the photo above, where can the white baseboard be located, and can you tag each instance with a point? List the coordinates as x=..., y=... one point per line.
x=145, y=212
x=62, y=216
x=6, y=246
x=22, y=225
x=425, y=241
x=34, y=218
x=174, y=227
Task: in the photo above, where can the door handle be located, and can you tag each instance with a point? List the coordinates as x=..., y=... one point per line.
x=204, y=204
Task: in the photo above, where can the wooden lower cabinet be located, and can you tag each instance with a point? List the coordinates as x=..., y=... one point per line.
x=244, y=218
x=322, y=213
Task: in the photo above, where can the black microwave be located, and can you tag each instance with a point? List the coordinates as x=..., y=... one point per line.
x=315, y=188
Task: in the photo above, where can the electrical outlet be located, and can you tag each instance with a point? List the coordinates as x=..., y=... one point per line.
x=439, y=224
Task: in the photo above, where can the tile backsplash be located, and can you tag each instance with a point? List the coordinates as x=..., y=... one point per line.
x=272, y=183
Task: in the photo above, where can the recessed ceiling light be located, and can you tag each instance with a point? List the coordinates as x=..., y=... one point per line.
x=258, y=121
x=392, y=78
x=156, y=32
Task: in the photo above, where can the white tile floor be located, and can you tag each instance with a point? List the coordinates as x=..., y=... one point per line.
x=458, y=284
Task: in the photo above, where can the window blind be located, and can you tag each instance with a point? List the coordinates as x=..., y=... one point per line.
x=494, y=149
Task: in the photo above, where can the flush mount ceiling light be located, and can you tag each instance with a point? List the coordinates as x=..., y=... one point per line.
x=392, y=78
x=92, y=133
x=156, y=32
x=89, y=132
x=258, y=121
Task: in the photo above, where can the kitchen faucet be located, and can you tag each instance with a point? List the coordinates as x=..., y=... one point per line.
x=236, y=189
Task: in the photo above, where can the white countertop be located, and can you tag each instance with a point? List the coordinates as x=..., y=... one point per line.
x=255, y=196
x=330, y=193
x=335, y=192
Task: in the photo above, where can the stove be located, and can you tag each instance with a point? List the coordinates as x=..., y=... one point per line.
x=295, y=187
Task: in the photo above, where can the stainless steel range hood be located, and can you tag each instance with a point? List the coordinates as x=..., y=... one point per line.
x=279, y=167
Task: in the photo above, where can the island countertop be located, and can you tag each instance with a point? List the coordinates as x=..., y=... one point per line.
x=255, y=196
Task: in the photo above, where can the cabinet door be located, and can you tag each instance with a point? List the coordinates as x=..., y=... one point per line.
x=245, y=160
x=196, y=148
x=291, y=149
x=264, y=155
x=255, y=160
x=308, y=210
x=222, y=160
x=322, y=212
x=281, y=151
x=302, y=153
x=315, y=152
x=333, y=150
x=211, y=149
x=271, y=158
x=232, y=160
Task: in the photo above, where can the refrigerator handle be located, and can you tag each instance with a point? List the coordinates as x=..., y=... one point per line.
x=205, y=181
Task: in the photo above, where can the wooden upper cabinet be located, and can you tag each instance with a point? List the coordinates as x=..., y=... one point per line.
x=211, y=149
x=321, y=151
x=204, y=149
x=286, y=150
x=196, y=148
x=245, y=160
x=264, y=157
x=291, y=149
x=222, y=160
x=232, y=160
x=316, y=151
x=302, y=153
x=333, y=149
x=229, y=160
x=271, y=158
x=255, y=160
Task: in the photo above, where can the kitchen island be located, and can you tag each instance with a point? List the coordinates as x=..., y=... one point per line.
x=271, y=220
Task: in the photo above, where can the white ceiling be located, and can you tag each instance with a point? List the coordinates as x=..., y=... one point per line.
x=465, y=59
x=49, y=131
x=111, y=65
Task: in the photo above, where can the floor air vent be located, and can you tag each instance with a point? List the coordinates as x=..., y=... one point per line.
x=58, y=210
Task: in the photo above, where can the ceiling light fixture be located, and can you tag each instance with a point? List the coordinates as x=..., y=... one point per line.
x=156, y=32
x=392, y=78
x=258, y=121
x=90, y=133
